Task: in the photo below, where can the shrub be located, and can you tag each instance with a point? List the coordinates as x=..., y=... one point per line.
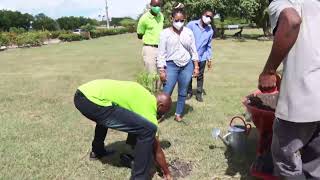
x=4, y=39
x=17, y=30
x=148, y=81
x=70, y=37
x=54, y=34
x=12, y=37
x=107, y=32
x=130, y=24
x=32, y=38
x=88, y=27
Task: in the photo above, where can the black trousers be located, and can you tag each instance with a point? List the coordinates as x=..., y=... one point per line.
x=200, y=79
x=121, y=119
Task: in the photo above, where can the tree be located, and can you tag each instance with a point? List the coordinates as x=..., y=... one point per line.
x=88, y=28
x=71, y=23
x=129, y=23
x=15, y=19
x=253, y=10
x=43, y=22
x=115, y=21
x=257, y=12
x=194, y=8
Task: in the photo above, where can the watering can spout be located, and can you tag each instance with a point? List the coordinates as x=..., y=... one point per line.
x=236, y=136
x=216, y=133
x=224, y=140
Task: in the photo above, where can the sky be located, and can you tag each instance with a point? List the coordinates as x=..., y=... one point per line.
x=87, y=8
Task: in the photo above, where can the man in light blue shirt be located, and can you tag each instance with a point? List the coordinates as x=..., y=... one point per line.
x=203, y=34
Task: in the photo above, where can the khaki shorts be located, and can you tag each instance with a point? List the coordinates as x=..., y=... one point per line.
x=150, y=58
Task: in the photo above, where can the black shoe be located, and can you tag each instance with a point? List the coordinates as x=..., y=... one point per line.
x=199, y=98
x=126, y=160
x=95, y=156
x=204, y=92
x=189, y=96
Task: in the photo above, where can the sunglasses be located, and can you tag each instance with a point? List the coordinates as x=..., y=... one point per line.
x=209, y=17
x=179, y=20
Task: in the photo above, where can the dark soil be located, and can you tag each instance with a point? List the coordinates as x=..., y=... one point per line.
x=180, y=169
x=266, y=102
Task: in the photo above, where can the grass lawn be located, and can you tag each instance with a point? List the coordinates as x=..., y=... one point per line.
x=43, y=136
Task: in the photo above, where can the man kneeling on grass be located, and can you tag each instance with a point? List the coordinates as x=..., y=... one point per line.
x=128, y=107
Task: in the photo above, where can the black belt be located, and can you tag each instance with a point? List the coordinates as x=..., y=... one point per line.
x=156, y=46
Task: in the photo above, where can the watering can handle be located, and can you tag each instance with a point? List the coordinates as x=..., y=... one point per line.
x=248, y=126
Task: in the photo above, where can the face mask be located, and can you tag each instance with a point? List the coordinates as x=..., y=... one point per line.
x=156, y=9
x=178, y=25
x=206, y=20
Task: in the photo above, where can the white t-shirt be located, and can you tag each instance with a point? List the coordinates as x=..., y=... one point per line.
x=299, y=99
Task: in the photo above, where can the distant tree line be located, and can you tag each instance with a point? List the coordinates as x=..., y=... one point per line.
x=17, y=20
x=253, y=11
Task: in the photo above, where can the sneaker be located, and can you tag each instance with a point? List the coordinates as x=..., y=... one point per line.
x=199, y=98
x=95, y=156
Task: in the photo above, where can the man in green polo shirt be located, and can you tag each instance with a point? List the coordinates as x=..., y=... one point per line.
x=149, y=28
x=128, y=107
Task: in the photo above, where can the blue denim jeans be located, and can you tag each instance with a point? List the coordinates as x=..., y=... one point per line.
x=183, y=76
x=121, y=119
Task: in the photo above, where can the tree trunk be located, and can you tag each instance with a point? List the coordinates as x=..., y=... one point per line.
x=222, y=27
x=267, y=31
x=266, y=27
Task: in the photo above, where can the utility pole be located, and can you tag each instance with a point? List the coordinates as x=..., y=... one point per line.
x=107, y=15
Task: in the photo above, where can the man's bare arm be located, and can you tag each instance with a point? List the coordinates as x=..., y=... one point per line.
x=285, y=37
x=161, y=159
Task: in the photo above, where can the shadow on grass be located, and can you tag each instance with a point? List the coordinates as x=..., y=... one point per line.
x=171, y=113
x=121, y=147
x=244, y=37
x=194, y=92
x=240, y=163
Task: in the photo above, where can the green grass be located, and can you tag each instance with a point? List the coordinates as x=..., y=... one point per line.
x=43, y=136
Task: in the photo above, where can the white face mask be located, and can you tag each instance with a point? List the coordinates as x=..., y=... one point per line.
x=178, y=25
x=206, y=20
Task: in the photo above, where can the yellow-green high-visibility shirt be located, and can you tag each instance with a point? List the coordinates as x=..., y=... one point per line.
x=128, y=95
x=150, y=26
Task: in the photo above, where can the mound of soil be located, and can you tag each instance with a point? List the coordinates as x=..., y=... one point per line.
x=180, y=169
x=266, y=102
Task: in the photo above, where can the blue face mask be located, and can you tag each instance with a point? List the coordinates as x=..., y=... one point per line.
x=156, y=9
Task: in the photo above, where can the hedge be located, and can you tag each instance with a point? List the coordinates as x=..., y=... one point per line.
x=4, y=39
x=107, y=32
x=23, y=39
x=70, y=37
x=32, y=39
x=37, y=38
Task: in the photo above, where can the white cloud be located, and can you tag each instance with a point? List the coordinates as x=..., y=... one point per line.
x=89, y=8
